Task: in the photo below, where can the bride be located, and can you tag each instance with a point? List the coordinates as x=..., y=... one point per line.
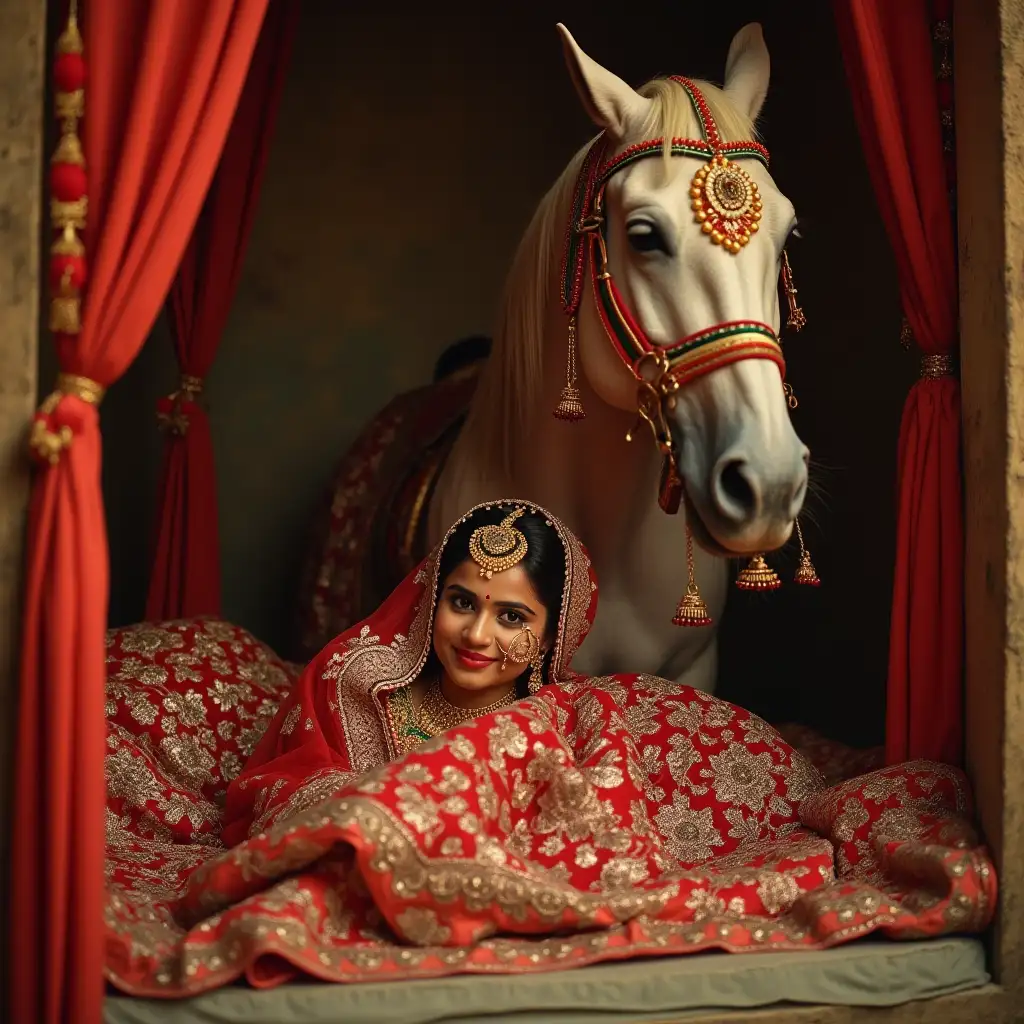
x=493, y=615
x=441, y=794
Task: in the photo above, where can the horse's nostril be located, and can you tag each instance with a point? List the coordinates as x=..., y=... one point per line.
x=735, y=486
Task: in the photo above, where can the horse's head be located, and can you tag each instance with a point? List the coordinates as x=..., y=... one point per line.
x=678, y=286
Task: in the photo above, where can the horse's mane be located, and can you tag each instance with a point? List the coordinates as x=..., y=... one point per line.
x=510, y=383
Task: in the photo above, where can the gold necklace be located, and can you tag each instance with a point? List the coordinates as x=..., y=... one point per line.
x=437, y=714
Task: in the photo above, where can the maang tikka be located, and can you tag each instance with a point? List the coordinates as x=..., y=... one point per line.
x=496, y=548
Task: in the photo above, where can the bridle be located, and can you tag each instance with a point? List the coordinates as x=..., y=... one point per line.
x=727, y=207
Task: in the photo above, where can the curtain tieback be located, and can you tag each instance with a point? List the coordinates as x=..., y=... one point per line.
x=48, y=438
x=935, y=365
x=171, y=411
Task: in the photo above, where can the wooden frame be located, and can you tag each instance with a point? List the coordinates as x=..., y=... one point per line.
x=22, y=117
x=989, y=76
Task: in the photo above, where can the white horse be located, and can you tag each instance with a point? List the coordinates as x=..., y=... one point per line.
x=743, y=468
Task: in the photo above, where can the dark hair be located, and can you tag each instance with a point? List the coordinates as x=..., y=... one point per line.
x=460, y=354
x=544, y=565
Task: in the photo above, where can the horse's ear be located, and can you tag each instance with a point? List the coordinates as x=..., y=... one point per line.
x=611, y=104
x=747, y=69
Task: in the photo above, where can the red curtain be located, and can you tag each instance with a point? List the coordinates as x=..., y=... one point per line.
x=890, y=61
x=185, y=578
x=165, y=78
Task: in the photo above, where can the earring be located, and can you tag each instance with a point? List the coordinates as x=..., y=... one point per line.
x=805, y=574
x=796, y=320
x=758, y=575
x=570, y=405
x=536, y=673
x=691, y=610
x=523, y=650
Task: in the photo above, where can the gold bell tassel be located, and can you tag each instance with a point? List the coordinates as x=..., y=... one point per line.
x=65, y=308
x=570, y=405
x=796, y=321
x=758, y=575
x=805, y=575
x=691, y=610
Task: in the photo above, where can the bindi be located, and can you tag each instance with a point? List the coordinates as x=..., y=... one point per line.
x=487, y=597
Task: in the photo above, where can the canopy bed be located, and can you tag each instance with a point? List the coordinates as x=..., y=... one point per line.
x=179, y=102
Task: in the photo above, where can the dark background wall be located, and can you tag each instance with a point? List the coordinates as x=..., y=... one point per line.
x=412, y=147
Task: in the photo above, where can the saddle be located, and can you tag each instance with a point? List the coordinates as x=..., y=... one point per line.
x=371, y=528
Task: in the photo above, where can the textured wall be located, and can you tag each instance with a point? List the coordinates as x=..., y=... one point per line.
x=21, y=167
x=412, y=149
x=989, y=80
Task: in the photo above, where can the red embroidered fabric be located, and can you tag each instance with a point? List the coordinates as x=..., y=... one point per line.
x=605, y=818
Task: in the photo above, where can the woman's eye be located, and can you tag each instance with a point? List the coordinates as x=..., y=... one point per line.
x=461, y=604
x=646, y=236
x=512, y=618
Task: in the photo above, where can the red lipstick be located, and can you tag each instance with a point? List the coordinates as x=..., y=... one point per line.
x=472, y=659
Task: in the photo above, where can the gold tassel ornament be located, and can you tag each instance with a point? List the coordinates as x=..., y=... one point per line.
x=758, y=575
x=692, y=610
x=570, y=405
x=805, y=575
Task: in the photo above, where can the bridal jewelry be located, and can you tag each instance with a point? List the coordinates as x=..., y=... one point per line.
x=525, y=650
x=497, y=548
x=438, y=715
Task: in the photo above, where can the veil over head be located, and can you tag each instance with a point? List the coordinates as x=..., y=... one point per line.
x=336, y=723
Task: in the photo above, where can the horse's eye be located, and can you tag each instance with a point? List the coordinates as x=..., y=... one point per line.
x=646, y=236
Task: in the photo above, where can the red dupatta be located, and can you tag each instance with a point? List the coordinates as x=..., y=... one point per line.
x=604, y=818
x=335, y=724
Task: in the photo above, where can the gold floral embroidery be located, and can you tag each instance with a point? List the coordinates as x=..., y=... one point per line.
x=574, y=809
x=740, y=777
x=422, y=927
x=682, y=757
x=777, y=891
x=690, y=835
x=316, y=788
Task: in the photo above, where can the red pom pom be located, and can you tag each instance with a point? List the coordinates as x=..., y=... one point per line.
x=67, y=182
x=69, y=72
x=59, y=265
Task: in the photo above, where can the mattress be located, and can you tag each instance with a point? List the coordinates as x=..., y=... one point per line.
x=866, y=973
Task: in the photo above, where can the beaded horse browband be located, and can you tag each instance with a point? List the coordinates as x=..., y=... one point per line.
x=727, y=207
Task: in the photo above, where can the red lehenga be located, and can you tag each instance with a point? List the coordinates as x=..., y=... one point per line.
x=605, y=818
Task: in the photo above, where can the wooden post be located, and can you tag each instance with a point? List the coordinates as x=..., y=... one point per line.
x=989, y=82
x=22, y=124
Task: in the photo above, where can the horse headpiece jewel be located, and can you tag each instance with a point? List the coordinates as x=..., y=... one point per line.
x=496, y=548
x=727, y=206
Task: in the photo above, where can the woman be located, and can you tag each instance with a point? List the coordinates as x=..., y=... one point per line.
x=604, y=818
x=482, y=623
